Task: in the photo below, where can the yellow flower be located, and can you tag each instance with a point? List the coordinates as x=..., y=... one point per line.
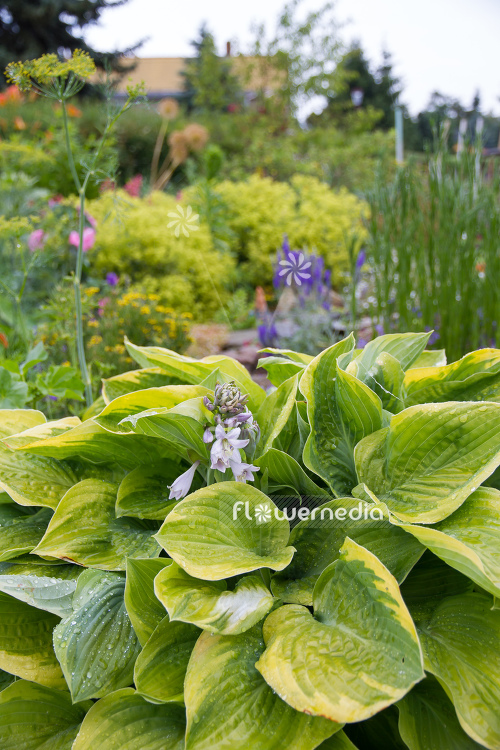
x=95, y=340
x=91, y=291
x=93, y=324
x=145, y=310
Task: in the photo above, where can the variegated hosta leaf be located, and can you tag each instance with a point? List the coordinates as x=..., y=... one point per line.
x=33, y=480
x=5, y=679
x=165, y=397
x=318, y=541
x=431, y=458
x=475, y=377
x=460, y=644
x=92, y=442
x=286, y=472
x=341, y=411
x=359, y=652
x=20, y=531
x=143, y=607
x=288, y=354
x=84, y=529
x=338, y=741
x=181, y=427
x=430, y=358
x=469, y=539
x=144, y=492
x=404, y=347
x=230, y=705
x=13, y=421
x=280, y=369
x=41, y=432
x=224, y=530
x=134, y=380
x=274, y=412
x=26, y=643
x=427, y=719
x=96, y=645
x=48, y=587
x=378, y=733
x=209, y=605
x=190, y=370
x=125, y=721
x=161, y=666
x=34, y=717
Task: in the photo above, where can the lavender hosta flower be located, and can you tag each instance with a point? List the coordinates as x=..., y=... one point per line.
x=226, y=447
x=36, y=240
x=207, y=435
x=112, y=278
x=243, y=472
x=360, y=260
x=182, y=484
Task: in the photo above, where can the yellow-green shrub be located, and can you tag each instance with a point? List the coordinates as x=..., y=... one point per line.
x=313, y=215
x=133, y=239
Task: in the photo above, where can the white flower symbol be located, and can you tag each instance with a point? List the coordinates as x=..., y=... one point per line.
x=263, y=513
x=294, y=268
x=183, y=221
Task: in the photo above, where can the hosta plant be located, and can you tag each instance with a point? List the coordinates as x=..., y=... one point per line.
x=200, y=564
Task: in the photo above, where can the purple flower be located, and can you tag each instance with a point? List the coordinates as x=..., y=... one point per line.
x=380, y=329
x=182, y=484
x=226, y=447
x=360, y=260
x=242, y=472
x=112, y=278
x=207, y=435
x=36, y=240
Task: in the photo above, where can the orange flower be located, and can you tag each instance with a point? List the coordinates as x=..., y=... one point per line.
x=19, y=123
x=73, y=111
x=3, y=340
x=480, y=267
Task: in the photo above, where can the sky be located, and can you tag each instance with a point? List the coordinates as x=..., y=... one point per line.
x=446, y=45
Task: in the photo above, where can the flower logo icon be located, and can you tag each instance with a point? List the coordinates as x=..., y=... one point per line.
x=294, y=268
x=184, y=220
x=263, y=513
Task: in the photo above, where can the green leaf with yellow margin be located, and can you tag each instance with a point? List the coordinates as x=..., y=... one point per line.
x=144, y=609
x=209, y=604
x=134, y=380
x=34, y=717
x=124, y=720
x=359, y=652
x=274, y=412
x=215, y=532
x=161, y=666
x=20, y=532
x=84, y=529
x=13, y=421
x=144, y=492
x=229, y=704
x=33, y=480
x=431, y=458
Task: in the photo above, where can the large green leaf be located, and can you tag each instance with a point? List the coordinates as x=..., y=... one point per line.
x=48, y=587
x=404, y=347
x=318, y=541
x=190, y=370
x=26, y=643
x=280, y=369
x=33, y=480
x=84, y=529
x=13, y=391
x=275, y=411
x=41, y=432
x=431, y=458
x=475, y=377
x=209, y=535
x=209, y=604
x=430, y=358
x=96, y=644
x=125, y=721
x=144, y=492
x=469, y=539
x=161, y=666
x=339, y=741
x=359, y=652
x=427, y=719
x=460, y=644
x=229, y=705
x=341, y=410
x=34, y=717
x=181, y=427
x=152, y=398
x=19, y=531
x=134, y=380
x=92, y=442
x=285, y=471
x=378, y=733
x=143, y=607
x=13, y=421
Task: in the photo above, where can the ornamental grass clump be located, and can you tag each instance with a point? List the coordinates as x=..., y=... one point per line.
x=344, y=589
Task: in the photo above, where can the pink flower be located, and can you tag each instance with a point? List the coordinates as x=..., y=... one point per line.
x=88, y=238
x=36, y=240
x=133, y=186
